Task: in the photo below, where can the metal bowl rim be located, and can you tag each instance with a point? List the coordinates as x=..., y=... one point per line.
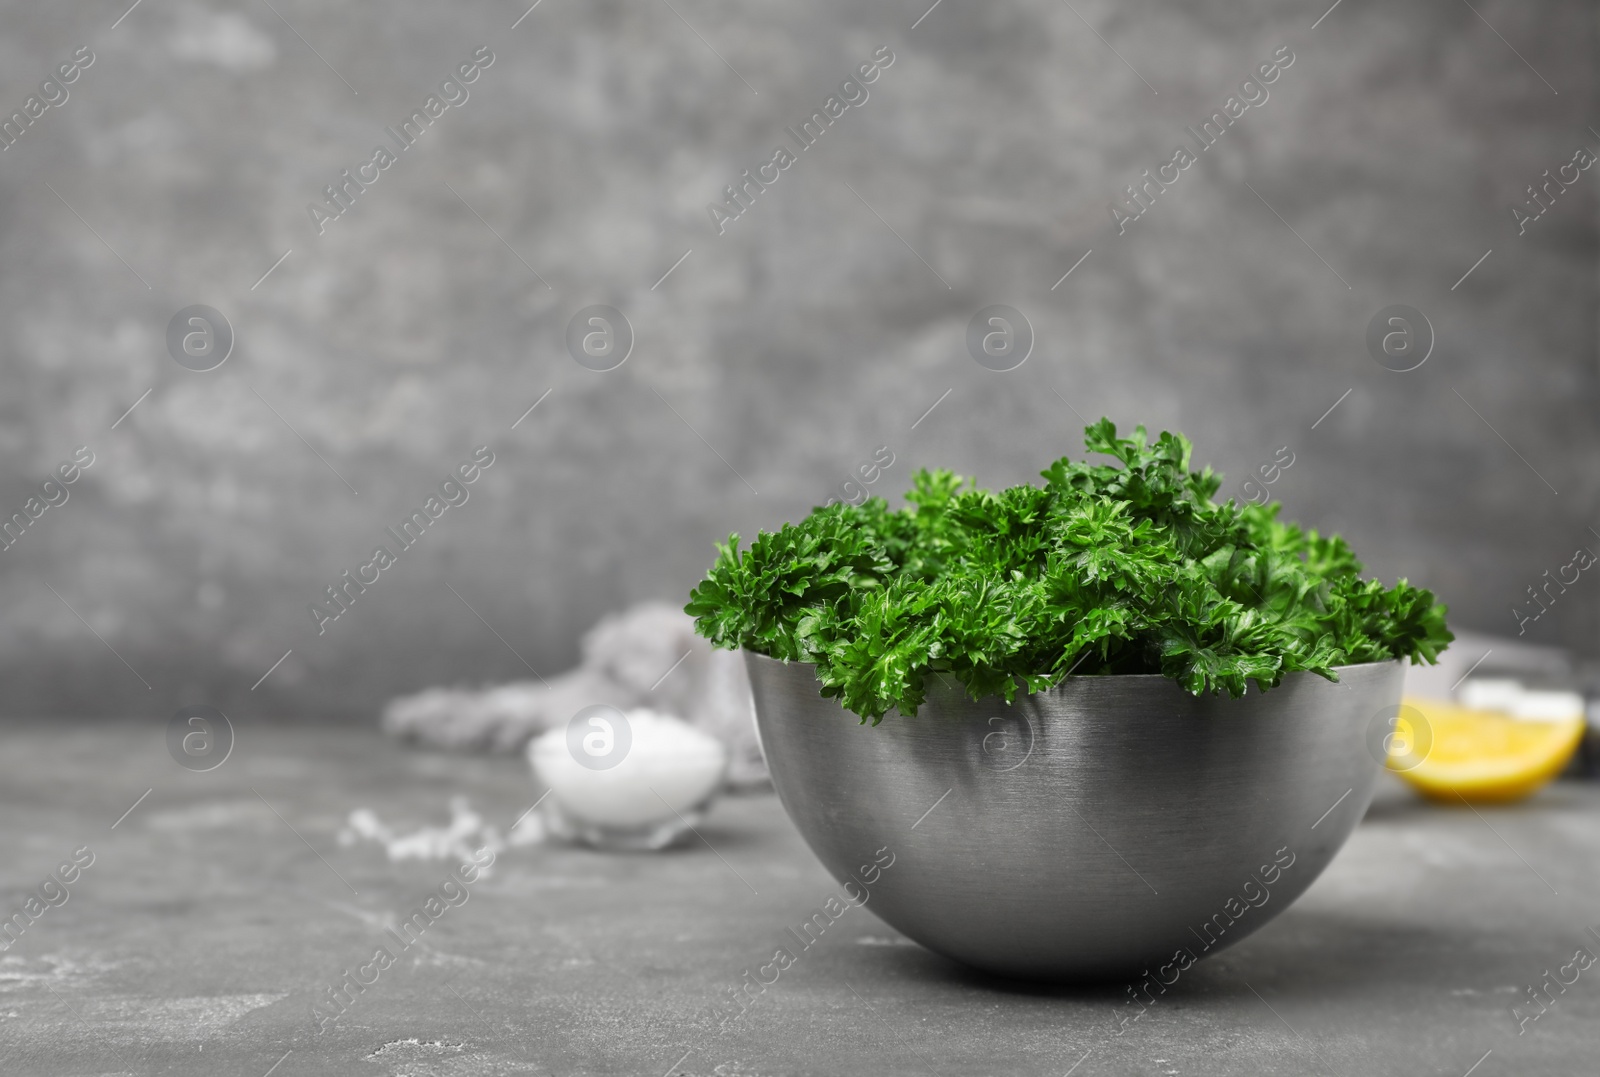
x=1143, y=679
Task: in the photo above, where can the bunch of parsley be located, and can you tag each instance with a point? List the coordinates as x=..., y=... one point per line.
x=1106, y=569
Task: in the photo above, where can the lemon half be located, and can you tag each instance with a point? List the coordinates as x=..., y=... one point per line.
x=1446, y=751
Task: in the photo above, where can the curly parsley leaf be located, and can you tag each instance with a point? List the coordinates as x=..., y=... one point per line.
x=1118, y=568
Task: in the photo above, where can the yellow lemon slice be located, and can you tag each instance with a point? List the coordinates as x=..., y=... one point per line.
x=1448, y=752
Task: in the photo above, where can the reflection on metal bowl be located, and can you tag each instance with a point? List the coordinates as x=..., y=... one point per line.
x=1087, y=831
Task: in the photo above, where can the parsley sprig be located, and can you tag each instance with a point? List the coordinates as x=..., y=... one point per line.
x=1106, y=569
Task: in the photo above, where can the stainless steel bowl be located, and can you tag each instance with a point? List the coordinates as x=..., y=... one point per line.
x=1092, y=831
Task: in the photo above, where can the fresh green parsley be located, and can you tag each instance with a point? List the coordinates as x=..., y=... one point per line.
x=1105, y=569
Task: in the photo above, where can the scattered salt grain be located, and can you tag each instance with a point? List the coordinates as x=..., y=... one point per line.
x=461, y=838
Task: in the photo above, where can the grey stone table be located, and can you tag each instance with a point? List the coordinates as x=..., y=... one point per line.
x=221, y=907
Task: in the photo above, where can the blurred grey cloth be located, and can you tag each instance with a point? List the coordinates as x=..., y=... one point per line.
x=647, y=656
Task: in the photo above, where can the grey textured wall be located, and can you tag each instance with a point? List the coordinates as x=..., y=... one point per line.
x=831, y=315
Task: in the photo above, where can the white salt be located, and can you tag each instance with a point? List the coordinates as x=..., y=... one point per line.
x=669, y=768
x=460, y=839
